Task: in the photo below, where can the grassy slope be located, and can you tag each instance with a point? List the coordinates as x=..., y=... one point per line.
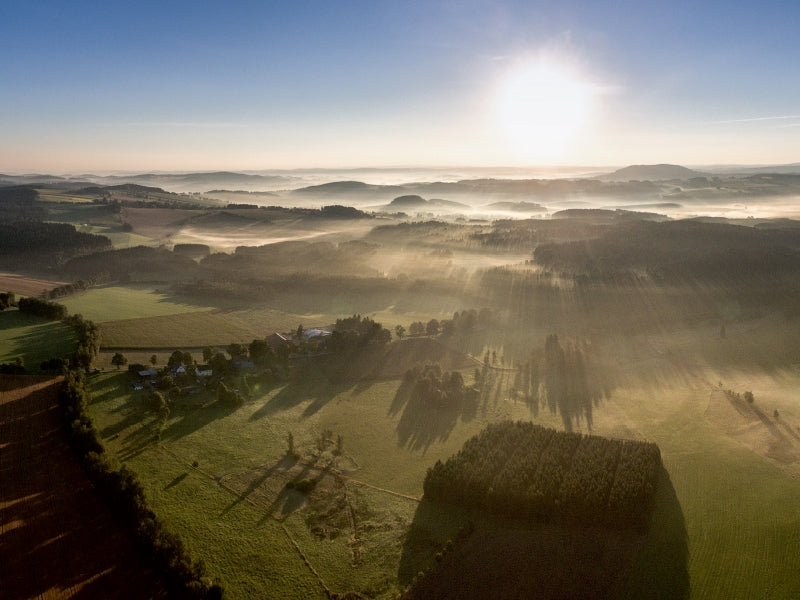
x=113, y=303
x=739, y=509
x=33, y=339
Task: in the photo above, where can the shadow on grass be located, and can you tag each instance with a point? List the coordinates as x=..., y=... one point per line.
x=661, y=569
x=41, y=340
x=139, y=439
x=423, y=423
x=306, y=384
x=176, y=481
x=516, y=559
x=288, y=499
x=192, y=420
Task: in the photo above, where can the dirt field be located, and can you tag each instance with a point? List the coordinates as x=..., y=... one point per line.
x=26, y=286
x=57, y=540
x=157, y=223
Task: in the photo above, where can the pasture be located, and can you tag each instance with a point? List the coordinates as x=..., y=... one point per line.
x=118, y=302
x=32, y=339
x=729, y=516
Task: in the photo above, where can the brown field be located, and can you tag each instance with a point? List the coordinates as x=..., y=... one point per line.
x=57, y=539
x=26, y=286
x=157, y=223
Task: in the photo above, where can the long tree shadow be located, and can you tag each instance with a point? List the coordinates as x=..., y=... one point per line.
x=472, y=555
x=661, y=571
x=191, y=420
x=423, y=422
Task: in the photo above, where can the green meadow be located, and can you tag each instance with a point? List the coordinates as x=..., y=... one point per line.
x=726, y=526
x=114, y=303
x=32, y=339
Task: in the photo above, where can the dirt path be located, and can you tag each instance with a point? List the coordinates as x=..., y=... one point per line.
x=57, y=539
x=380, y=489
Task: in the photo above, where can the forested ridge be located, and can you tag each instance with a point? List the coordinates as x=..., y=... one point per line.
x=677, y=250
x=526, y=470
x=32, y=236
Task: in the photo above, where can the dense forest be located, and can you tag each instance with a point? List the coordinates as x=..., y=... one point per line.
x=521, y=469
x=60, y=240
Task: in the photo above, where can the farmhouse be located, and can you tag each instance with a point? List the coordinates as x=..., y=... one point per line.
x=203, y=371
x=316, y=333
x=276, y=340
x=151, y=372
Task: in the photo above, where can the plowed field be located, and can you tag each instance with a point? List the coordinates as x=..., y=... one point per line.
x=57, y=539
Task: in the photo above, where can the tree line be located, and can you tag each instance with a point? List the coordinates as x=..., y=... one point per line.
x=42, y=308
x=356, y=332
x=526, y=470
x=182, y=576
x=51, y=238
x=120, y=489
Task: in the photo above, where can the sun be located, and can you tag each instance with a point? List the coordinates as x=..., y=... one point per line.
x=542, y=107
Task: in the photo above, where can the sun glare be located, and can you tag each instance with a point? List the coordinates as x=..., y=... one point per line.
x=542, y=107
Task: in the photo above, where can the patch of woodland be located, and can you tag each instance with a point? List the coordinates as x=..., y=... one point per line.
x=54, y=241
x=19, y=203
x=260, y=263
x=677, y=251
x=525, y=470
x=192, y=251
x=122, y=263
x=228, y=285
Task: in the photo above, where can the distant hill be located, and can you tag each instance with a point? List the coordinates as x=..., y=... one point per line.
x=414, y=201
x=127, y=188
x=353, y=189
x=661, y=172
x=408, y=201
x=517, y=207
x=201, y=182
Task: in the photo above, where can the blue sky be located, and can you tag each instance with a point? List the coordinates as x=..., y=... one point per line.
x=89, y=86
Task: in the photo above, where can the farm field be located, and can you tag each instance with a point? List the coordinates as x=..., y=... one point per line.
x=114, y=303
x=26, y=286
x=58, y=539
x=730, y=511
x=181, y=330
x=33, y=339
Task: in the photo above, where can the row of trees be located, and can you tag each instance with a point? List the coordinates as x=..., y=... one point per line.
x=182, y=576
x=462, y=322
x=42, y=308
x=70, y=288
x=522, y=469
x=88, y=335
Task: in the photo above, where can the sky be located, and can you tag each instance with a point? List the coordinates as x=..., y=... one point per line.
x=172, y=85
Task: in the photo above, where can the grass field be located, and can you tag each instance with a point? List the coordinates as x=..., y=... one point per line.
x=32, y=339
x=731, y=516
x=113, y=303
x=182, y=330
